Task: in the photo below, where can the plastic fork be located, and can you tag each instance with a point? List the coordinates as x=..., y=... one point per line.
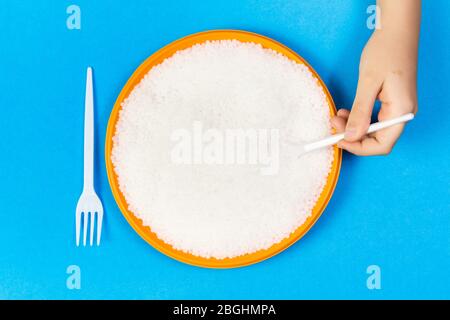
x=89, y=203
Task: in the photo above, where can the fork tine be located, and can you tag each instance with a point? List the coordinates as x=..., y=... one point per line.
x=92, y=226
x=77, y=228
x=85, y=224
x=99, y=226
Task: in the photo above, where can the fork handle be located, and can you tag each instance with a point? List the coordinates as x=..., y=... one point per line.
x=89, y=134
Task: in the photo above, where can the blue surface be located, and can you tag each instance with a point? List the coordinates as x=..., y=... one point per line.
x=390, y=211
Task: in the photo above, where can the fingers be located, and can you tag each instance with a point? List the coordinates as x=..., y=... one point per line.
x=367, y=146
x=378, y=143
x=359, y=117
x=339, y=121
x=343, y=113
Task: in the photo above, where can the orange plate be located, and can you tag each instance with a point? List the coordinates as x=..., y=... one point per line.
x=136, y=223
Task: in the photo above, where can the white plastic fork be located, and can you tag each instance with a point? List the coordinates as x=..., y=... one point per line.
x=89, y=203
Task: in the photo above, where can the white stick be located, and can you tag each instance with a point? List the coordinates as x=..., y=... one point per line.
x=331, y=140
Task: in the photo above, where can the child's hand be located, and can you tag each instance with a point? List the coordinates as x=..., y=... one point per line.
x=387, y=72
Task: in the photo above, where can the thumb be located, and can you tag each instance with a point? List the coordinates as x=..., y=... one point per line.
x=360, y=115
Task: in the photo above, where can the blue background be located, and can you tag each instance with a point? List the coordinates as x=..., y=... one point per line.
x=390, y=211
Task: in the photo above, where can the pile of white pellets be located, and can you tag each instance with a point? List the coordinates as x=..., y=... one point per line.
x=182, y=173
